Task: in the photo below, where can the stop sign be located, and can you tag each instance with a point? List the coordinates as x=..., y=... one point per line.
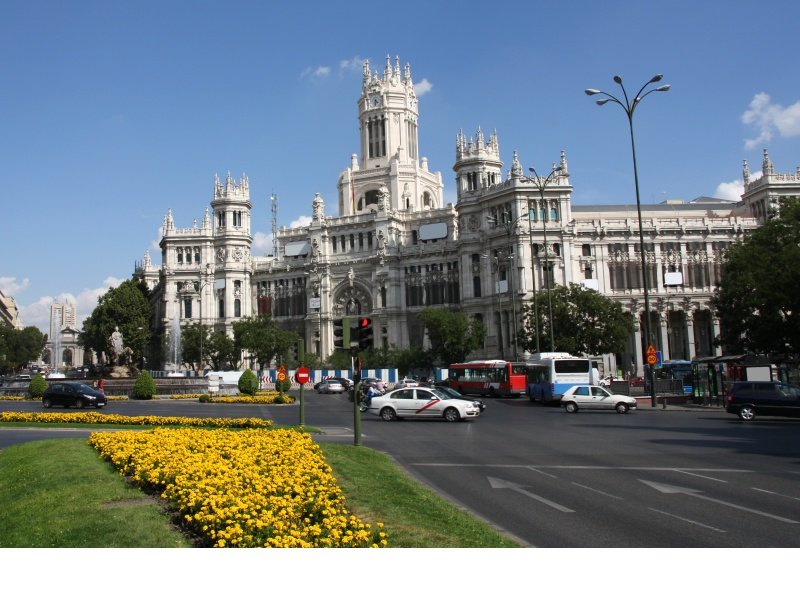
x=302, y=375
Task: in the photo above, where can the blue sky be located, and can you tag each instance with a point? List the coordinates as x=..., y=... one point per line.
x=112, y=112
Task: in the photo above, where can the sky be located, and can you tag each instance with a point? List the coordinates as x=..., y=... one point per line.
x=113, y=112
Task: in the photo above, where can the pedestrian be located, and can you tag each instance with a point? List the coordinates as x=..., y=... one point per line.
x=101, y=385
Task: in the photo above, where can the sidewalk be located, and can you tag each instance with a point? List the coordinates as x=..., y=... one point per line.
x=646, y=403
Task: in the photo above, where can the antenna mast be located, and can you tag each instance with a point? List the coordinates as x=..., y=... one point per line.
x=274, y=199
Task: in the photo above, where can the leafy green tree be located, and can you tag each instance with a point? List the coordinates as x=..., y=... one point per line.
x=757, y=299
x=125, y=306
x=18, y=347
x=261, y=337
x=408, y=359
x=452, y=335
x=584, y=322
x=191, y=337
x=221, y=351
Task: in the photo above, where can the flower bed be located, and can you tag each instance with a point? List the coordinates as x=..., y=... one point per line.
x=111, y=419
x=248, y=488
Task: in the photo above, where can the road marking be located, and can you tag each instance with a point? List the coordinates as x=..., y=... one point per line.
x=775, y=493
x=674, y=489
x=586, y=487
x=687, y=520
x=535, y=470
x=502, y=483
x=698, y=475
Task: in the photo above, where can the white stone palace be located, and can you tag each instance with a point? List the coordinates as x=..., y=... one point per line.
x=395, y=248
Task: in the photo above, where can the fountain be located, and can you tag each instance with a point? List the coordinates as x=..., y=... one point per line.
x=175, y=345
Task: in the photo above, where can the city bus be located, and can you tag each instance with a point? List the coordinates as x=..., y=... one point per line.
x=678, y=370
x=488, y=377
x=550, y=374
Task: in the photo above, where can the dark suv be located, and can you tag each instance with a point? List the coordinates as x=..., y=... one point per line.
x=767, y=398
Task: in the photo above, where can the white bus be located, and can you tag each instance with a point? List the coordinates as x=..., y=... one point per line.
x=550, y=374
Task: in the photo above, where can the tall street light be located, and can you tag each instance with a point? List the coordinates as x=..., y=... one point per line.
x=199, y=288
x=629, y=106
x=541, y=184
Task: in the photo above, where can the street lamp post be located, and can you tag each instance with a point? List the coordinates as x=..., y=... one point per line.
x=541, y=184
x=629, y=106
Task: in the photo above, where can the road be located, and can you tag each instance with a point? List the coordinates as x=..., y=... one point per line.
x=651, y=479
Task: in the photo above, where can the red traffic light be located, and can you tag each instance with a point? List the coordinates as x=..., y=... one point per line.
x=364, y=322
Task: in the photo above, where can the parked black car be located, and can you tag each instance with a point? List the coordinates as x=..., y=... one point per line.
x=767, y=398
x=67, y=393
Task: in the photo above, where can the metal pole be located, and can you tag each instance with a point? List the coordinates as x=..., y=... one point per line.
x=629, y=106
x=533, y=276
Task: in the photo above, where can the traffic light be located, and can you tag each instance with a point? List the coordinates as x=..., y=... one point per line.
x=365, y=340
x=341, y=334
x=353, y=340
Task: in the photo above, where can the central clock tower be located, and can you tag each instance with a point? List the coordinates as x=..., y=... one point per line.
x=388, y=115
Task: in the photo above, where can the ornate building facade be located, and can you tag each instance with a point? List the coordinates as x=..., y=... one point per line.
x=395, y=248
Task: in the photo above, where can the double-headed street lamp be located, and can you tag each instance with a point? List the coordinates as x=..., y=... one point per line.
x=629, y=106
x=541, y=184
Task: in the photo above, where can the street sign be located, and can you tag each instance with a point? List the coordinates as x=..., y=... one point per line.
x=652, y=357
x=302, y=375
x=282, y=374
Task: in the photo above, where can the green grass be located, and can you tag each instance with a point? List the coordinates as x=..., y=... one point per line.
x=60, y=494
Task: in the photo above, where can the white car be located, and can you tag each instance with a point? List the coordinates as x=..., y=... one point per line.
x=420, y=402
x=330, y=386
x=405, y=383
x=595, y=397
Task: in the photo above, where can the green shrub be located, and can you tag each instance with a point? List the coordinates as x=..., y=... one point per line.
x=37, y=386
x=248, y=383
x=283, y=386
x=145, y=386
x=204, y=398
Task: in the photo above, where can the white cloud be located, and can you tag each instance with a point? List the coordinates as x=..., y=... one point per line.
x=352, y=64
x=262, y=243
x=10, y=286
x=38, y=313
x=770, y=118
x=300, y=221
x=320, y=71
x=422, y=87
x=733, y=190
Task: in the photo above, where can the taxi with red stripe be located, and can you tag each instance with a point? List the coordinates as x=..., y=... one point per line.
x=423, y=403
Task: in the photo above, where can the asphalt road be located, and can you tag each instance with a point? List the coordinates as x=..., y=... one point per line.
x=651, y=479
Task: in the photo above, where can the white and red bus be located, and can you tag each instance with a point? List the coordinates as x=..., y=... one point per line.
x=488, y=377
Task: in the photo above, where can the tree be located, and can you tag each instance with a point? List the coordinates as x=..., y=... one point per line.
x=18, y=347
x=125, y=306
x=221, y=351
x=263, y=339
x=191, y=337
x=757, y=299
x=452, y=335
x=584, y=322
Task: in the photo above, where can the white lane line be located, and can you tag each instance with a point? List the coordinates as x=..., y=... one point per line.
x=775, y=493
x=535, y=470
x=586, y=487
x=698, y=475
x=502, y=483
x=666, y=488
x=687, y=520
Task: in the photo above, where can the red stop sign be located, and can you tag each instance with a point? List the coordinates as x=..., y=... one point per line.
x=302, y=375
